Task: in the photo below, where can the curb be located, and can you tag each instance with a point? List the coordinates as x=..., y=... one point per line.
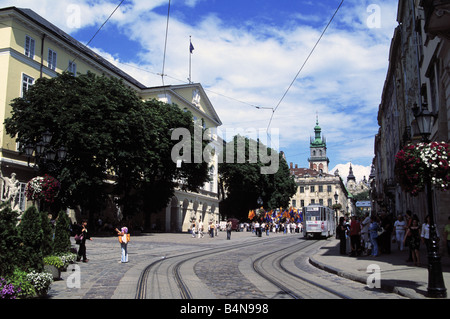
x=402, y=291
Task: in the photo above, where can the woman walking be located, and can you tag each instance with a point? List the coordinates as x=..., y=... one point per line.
x=373, y=234
x=400, y=229
x=414, y=241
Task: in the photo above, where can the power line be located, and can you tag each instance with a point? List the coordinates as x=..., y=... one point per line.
x=165, y=45
x=304, y=63
x=99, y=29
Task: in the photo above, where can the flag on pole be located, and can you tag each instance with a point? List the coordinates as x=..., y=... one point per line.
x=191, y=48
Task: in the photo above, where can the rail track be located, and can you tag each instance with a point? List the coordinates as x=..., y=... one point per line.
x=269, y=267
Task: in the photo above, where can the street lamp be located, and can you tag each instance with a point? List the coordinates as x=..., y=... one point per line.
x=43, y=152
x=436, y=286
x=336, y=197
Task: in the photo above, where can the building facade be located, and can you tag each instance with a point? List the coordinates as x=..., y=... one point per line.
x=418, y=76
x=31, y=48
x=315, y=185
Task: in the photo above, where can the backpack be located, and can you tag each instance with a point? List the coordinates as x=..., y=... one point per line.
x=128, y=238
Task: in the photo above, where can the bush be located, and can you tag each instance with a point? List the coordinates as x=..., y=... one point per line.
x=47, y=235
x=10, y=250
x=67, y=258
x=54, y=261
x=8, y=290
x=19, y=279
x=62, y=242
x=31, y=234
x=40, y=281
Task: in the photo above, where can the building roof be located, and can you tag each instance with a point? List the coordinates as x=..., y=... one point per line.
x=307, y=172
x=76, y=45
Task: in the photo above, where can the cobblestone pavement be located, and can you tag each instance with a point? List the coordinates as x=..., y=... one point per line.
x=225, y=275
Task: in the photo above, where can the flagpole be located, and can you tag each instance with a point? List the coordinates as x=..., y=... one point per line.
x=190, y=59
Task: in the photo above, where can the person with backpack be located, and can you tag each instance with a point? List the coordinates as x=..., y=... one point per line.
x=124, y=239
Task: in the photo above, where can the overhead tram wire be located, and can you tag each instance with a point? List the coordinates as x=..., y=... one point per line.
x=302, y=67
x=99, y=29
x=165, y=45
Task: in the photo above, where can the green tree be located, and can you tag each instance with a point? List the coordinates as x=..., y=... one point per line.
x=10, y=249
x=110, y=134
x=244, y=182
x=47, y=235
x=61, y=243
x=31, y=234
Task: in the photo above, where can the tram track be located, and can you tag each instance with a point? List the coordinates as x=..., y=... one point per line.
x=300, y=285
x=177, y=262
x=290, y=283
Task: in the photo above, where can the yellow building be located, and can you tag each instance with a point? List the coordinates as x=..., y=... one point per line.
x=31, y=47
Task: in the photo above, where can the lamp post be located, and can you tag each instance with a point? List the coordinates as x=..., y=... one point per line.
x=336, y=197
x=436, y=286
x=43, y=153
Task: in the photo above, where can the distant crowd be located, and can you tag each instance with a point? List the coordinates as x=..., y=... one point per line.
x=374, y=234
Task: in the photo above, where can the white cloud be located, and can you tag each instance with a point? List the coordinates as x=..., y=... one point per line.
x=342, y=81
x=359, y=171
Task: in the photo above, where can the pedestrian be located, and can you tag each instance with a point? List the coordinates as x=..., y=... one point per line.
x=355, y=237
x=374, y=227
x=341, y=230
x=193, y=229
x=200, y=229
x=124, y=239
x=365, y=233
x=414, y=241
x=408, y=219
x=400, y=230
x=385, y=238
x=83, y=235
x=229, y=227
x=425, y=233
x=211, y=230
x=257, y=228
x=447, y=232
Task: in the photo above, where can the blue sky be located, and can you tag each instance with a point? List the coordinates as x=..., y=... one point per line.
x=247, y=53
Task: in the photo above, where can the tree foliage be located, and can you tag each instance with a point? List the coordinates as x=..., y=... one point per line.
x=110, y=134
x=31, y=234
x=61, y=243
x=244, y=182
x=10, y=249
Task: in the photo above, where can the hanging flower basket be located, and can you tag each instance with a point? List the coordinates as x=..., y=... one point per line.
x=417, y=162
x=43, y=188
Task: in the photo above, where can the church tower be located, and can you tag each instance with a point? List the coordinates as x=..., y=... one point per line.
x=318, y=147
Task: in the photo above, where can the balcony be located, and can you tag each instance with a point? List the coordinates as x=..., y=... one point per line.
x=437, y=17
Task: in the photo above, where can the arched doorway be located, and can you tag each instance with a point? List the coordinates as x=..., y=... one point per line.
x=175, y=225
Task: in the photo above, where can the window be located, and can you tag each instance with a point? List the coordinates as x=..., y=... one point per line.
x=313, y=189
x=330, y=202
x=302, y=203
x=313, y=201
x=294, y=203
x=320, y=189
x=302, y=189
x=321, y=201
x=52, y=57
x=329, y=188
x=72, y=68
x=29, y=46
x=27, y=82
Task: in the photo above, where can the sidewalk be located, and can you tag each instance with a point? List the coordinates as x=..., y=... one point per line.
x=397, y=275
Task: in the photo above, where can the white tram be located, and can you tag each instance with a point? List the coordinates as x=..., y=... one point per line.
x=318, y=221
